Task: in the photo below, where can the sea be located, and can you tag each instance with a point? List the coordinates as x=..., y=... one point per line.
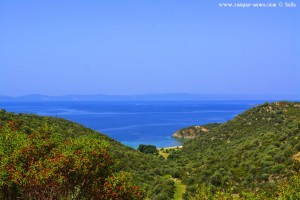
x=137, y=122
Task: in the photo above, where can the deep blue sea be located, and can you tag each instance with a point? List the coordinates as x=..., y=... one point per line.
x=137, y=122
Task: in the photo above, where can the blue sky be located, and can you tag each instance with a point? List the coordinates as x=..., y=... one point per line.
x=62, y=47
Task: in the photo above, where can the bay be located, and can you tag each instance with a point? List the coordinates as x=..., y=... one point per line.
x=137, y=122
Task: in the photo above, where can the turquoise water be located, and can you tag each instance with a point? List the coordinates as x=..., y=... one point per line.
x=137, y=122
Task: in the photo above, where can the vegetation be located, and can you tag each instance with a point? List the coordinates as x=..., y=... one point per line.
x=284, y=190
x=71, y=161
x=254, y=156
x=150, y=149
x=179, y=189
x=252, y=152
x=165, y=152
x=40, y=163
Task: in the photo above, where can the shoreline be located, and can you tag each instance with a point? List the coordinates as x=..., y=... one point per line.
x=172, y=147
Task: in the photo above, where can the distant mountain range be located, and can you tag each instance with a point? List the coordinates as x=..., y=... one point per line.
x=150, y=97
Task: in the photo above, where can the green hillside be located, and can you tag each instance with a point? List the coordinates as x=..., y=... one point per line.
x=254, y=156
x=32, y=146
x=252, y=152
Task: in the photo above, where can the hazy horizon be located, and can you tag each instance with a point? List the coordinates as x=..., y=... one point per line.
x=141, y=94
x=147, y=47
x=152, y=97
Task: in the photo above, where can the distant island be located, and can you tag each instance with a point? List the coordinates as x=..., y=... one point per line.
x=152, y=97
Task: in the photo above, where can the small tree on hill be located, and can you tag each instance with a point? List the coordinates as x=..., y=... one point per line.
x=150, y=149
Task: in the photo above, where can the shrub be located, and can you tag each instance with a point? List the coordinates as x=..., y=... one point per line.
x=46, y=165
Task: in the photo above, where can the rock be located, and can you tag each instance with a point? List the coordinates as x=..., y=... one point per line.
x=190, y=132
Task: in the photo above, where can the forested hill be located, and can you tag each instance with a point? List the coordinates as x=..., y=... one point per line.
x=254, y=156
x=53, y=158
x=253, y=152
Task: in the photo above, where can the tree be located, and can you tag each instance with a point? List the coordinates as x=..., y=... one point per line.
x=150, y=149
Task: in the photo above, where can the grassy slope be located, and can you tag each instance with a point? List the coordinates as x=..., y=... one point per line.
x=164, y=152
x=179, y=189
